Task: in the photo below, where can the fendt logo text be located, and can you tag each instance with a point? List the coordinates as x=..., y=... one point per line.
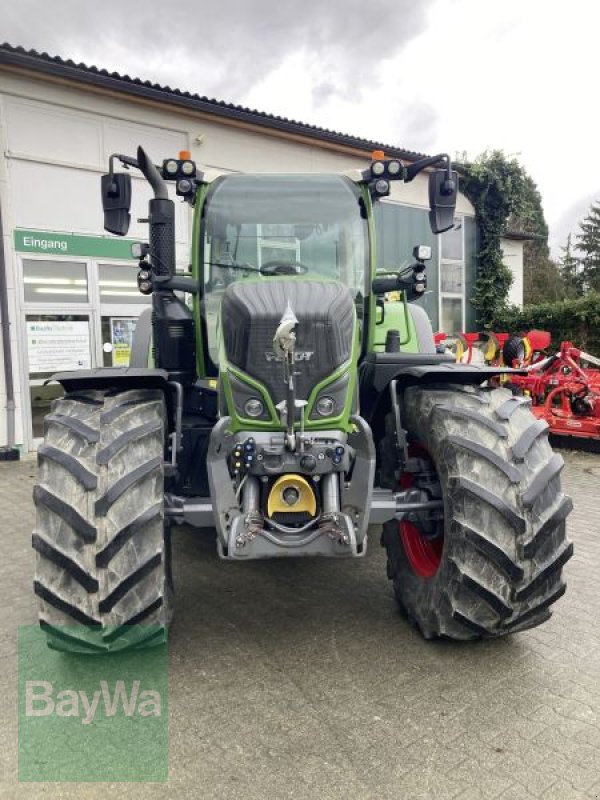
x=299, y=355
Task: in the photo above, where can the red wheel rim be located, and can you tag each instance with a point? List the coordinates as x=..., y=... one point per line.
x=424, y=555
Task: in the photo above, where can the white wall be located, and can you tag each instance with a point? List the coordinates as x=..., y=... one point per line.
x=512, y=255
x=55, y=156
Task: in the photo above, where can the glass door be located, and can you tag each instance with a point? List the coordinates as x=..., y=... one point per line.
x=120, y=305
x=55, y=343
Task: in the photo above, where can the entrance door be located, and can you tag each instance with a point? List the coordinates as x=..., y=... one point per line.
x=55, y=342
x=120, y=305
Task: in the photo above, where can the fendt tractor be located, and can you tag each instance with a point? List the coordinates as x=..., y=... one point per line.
x=293, y=400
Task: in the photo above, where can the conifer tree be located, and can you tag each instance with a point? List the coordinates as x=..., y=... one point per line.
x=570, y=271
x=588, y=244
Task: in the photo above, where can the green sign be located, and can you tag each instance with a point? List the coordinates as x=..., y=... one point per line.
x=92, y=718
x=71, y=244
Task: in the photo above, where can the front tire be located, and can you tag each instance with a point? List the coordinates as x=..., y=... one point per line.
x=101, y=554
x=494, y=565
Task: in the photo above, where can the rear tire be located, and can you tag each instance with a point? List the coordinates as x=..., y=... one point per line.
x=504, y=542
x=101, y=554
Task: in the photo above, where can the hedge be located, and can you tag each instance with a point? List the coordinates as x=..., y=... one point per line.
x=576, y=320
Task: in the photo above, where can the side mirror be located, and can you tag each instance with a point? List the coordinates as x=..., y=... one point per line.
x=442, y=199
x=116, y=202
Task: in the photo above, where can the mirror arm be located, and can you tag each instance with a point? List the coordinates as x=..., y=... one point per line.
x=179, y=283
x=413, y=169
x=146, y=167
x=126, y=161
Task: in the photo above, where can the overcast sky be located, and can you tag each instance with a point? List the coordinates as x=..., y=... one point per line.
x=460, y=76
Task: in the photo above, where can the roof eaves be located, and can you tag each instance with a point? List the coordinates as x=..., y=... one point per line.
x=523, y=236
x=45, y=64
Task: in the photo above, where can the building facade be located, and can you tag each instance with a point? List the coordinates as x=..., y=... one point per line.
x=71, y=289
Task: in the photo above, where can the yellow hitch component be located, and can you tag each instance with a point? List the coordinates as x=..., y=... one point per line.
x=291, y=494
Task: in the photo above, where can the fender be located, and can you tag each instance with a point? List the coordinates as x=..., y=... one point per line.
x=378, y=370
x=112, y=377
x=123, y=378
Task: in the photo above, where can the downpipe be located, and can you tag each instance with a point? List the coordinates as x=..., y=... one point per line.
x=8, y=452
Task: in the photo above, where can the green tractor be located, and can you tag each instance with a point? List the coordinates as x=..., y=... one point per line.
x=295, y=401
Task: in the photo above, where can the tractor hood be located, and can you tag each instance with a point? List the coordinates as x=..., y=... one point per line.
x=252, y=312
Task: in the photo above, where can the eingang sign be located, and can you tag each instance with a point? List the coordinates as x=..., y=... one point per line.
x=71, y=244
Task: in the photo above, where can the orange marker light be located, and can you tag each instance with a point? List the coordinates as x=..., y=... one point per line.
x=377, y=155
x=185, y=155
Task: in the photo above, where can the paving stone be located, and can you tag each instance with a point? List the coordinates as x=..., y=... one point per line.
x=301, y=680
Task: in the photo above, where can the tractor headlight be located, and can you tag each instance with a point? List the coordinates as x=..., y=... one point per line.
x=171, y=166
x=253, y=407
x=382, y=187
x=394, y=167
x=188, y=167
x=422, y=252
x=184, y=187
x=377, y=168
x=325, y=406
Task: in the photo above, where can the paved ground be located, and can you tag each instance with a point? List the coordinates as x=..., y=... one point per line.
x=300, y=680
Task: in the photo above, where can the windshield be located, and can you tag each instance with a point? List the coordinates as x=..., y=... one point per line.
x=260, y=227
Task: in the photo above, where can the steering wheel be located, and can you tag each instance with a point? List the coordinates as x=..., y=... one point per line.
x=283, y=268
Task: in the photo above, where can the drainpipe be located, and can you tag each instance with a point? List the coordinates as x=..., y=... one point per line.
x=8, y=452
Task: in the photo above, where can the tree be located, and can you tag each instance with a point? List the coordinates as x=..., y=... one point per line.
x=588, y=243
x=494, y=185
x=505, y=199
x=570, y=272
x=541, y=276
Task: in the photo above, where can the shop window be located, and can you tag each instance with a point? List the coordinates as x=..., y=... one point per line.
x=277, y=243
x=54, y=282
x=452, y=279
x=118, y=285
x=451, y=315
x=452, y=242
x=117, y=339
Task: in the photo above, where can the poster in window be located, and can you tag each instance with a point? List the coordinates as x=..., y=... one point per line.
x=121, y=337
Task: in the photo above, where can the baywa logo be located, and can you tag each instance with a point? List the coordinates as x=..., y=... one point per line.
x=91, y=717
x=299, y=355
x=42, y=700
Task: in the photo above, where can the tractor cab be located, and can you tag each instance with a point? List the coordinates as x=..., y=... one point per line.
x=261, y=229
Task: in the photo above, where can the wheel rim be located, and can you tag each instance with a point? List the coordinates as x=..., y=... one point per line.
x=424, y=554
